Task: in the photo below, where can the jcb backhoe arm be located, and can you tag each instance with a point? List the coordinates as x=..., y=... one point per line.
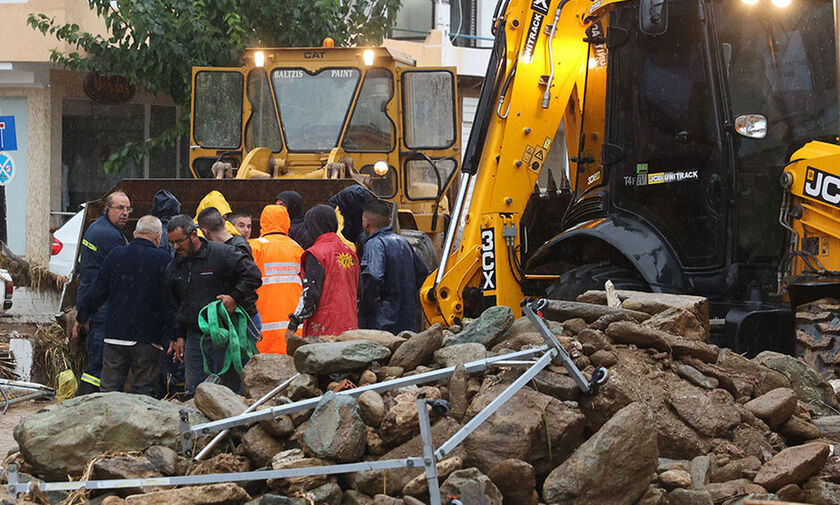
x=538, y=59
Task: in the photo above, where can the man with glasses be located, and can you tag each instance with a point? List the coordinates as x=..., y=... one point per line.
x=203, y=272
x=101, y=237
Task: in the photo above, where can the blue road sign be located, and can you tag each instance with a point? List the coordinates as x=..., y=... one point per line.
x=8, y=137
x=7, y=169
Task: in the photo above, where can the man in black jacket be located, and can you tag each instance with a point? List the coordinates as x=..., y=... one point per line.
x=101, y=237
x=132, y=284
x=201, y=273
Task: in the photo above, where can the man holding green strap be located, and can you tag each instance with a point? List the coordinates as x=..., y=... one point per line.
x=202, y=273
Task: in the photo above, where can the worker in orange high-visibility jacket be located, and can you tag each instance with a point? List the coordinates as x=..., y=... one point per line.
x=278, y=258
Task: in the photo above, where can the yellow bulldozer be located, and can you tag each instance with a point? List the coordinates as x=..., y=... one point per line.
x=703, y=159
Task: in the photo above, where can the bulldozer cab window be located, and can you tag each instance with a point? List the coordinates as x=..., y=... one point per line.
x=313, y=107
x=429, y=109
x=779, y=63
x=370, y=128
x=217, y=111
x=663, y=118
x=262, y=129
x=422, y=183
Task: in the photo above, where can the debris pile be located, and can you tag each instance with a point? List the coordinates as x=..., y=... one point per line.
x=679, y=420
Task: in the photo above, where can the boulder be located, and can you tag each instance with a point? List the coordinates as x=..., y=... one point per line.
x=222, y=463
x=711, y=413
x=791, y=492
x=558, y=310
x=811, y=388
x=792, y=465
x=673, y=479
x=60, y=439
x=226, y=493
x=218, y=402
x=302, y=387
x=163, y=458
x=829, y=426
x=516, y=480
x=371, y=482
x=471, y=486
x=259, y=445
x=696, y=377
x=603, y=358
x=799, y=430
x=371, y=407
x=400, y=421
x=774, y=407
x=335, y=430
x=518, y=430
x=125, y=467
x=419, y=485
x=821, y=492
x=458, y=394
x=294, y=459
x=384, y=338
x=615, y=465
x=519, y=342
x=635, y=378
x=736, y=469
x=418, y=349
x=595, y=338
x=722, y=491
x=626, y=332
x=460, y=354
x=689, y=497
x=326, y=494
x=264, y=372
x=738, y=367
x=490, y=326
x=279, y=427
x=555, y=384
x=654, y=303
x=679, y=321
x=338, y=357
x=700, y=471
x=353, y=497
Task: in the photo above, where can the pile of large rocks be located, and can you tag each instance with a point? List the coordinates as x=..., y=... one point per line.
x=679, y=421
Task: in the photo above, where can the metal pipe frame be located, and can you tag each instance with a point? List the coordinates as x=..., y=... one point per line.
x=189, y=433
x=428, y=461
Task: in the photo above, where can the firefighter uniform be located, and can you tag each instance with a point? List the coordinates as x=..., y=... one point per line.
x=100, y=238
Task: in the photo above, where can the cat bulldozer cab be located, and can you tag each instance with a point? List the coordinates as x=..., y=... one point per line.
x=703, y=159
x=363, y=114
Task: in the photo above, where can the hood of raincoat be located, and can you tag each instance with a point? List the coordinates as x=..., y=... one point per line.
x=217, y=200
x=294, y=204
x=165, y=206
x=320, y=219
x=274, y=219
x=349, y=201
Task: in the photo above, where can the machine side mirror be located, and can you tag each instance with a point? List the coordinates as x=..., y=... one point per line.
x=752, y=126
x=653, y=17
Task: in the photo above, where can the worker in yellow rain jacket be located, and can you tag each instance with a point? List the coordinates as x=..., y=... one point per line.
x=217, y=200
x=278, y=258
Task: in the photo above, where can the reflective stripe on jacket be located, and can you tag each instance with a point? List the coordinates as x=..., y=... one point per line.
x=278, y=258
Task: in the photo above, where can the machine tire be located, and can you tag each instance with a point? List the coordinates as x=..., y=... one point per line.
x=818, y=335
x=579, y=280
x=423, y=246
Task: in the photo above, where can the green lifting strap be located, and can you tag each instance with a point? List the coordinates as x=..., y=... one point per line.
x=228, y=331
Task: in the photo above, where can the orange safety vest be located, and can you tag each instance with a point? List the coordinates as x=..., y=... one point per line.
x=278, y=258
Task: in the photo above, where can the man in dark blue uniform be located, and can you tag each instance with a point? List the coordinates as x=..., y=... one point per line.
x=100, y=238
x=391, y=274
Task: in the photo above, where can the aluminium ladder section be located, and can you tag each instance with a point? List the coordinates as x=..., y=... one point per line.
x=552, y=350
x=428, y=462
